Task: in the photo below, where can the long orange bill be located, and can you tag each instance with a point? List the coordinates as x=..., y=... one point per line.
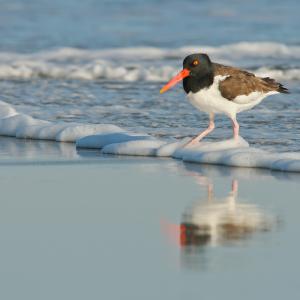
x=182, y=74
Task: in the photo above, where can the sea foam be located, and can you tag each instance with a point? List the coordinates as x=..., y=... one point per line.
x=140, y=63
x=115, y=140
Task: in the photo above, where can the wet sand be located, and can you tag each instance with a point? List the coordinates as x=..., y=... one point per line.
x=80, y=225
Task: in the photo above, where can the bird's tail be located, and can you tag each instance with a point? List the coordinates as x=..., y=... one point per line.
x=282, y=89
x=276, y=85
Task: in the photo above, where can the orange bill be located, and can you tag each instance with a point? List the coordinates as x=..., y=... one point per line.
x=182, y=74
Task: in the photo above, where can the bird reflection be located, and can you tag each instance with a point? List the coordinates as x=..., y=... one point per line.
x=221, y=221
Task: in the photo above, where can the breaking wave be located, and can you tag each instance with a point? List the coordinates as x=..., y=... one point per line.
x=107, y=71
x=141, y=63
x=90, y=71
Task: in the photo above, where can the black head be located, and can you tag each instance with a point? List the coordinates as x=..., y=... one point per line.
x=197, y=73
x=201, y=72
x=198, y=64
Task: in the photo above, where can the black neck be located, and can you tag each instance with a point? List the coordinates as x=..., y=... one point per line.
x=195, y=83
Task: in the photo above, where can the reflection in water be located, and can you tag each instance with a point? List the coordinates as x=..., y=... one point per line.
x=213, y=222
x=12, y=148
x=220, y=221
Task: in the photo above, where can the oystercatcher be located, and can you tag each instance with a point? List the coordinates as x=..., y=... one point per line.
x=215, y=88
x=220, y=221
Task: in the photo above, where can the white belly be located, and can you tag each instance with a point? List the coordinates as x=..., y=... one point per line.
x=210, y=100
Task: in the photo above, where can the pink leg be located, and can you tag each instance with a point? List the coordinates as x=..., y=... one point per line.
x=204, y=133
x=234, y=186
x=234, y=192
x=236, y=128
x=210, y=192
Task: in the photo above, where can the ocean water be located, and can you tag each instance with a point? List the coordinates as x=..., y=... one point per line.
x=105, y=61
x=75, y=225
x=79, y=224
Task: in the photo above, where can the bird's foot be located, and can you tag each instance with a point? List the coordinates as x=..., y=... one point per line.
x=192, y=142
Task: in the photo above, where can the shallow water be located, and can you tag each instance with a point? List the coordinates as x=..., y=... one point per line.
x=105, y=61
x=77, y=224
x=108, y=227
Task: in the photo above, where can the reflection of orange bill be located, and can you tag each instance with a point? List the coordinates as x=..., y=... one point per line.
x=180, y=235
x=172, y=231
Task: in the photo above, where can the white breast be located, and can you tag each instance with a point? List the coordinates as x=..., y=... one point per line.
x=210, y=100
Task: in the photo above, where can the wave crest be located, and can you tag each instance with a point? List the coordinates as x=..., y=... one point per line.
x=141, y=63
x=107, y=71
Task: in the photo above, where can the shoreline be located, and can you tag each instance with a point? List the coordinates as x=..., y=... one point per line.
x=15, y=151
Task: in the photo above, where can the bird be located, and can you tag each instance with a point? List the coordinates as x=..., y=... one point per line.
x=219, y=89
x=218, y=221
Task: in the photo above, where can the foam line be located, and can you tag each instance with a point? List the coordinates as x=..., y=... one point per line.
x=115, y=140
x=134, y=148
x=18, y=125
x=101, y=140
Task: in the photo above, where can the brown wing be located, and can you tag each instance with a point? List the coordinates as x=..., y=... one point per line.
x=240, y=82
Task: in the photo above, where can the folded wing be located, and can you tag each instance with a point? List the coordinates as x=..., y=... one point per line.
x=243, y=83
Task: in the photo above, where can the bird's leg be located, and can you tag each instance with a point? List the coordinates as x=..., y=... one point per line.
x=233, y=194
x=210, y=192
x=234, y=186
x=236, y=128
x=204, y=133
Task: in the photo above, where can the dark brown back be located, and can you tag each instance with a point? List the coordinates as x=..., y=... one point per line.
x=240, y=82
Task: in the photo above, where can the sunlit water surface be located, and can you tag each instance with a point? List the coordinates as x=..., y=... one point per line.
x=105, y=62
x=79, y=225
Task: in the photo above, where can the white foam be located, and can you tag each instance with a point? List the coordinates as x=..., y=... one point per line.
x=115, y=140
x=278, y=74
x=170, y=148
x=90, y=71
x=203, y=147
x=257, y=49
x=30, y=131
x=241, y=49
x=98, y=141
x=38, y=132
x=9, y=126
x=132, y=64
x=108, y=71
x=74, y=132
x=135, y=148
x=6, y=110
x=23, y=126
x=251, y=158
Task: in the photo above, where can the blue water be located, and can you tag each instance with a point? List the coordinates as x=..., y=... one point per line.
x=28, y=26
x=105, y=61
x=76, y=224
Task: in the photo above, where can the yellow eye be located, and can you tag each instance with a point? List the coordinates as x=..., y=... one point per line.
x=195, y=62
